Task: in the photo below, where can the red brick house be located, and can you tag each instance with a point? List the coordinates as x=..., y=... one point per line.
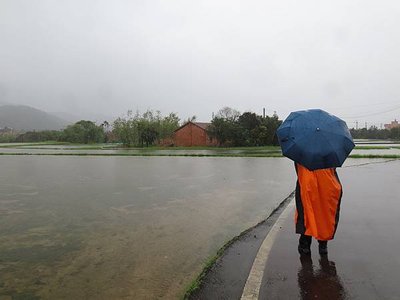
x=193, y=134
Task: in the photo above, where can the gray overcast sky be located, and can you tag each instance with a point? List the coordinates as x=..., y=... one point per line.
x=101, y=57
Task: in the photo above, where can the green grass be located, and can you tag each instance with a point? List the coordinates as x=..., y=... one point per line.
x=256, y=154
x=53, y=143
x=220, y=148
x=30, y=147
x=146, y=154
x=373, y=147
x=392, y=156
x=195, y=285
x=158, y=148
x=266, y=151
x=121, y=147
x=17, y=145
x=212, y=148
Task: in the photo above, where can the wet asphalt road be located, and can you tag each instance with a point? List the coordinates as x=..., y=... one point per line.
x=363, y=260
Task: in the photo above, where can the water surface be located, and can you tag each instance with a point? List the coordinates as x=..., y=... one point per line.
x=125, y=227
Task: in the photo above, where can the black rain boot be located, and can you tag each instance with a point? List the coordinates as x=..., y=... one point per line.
x=304, y=244
x=323, y=247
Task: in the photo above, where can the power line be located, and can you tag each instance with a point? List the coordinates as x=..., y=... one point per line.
x=373, y=114
x=363, y=105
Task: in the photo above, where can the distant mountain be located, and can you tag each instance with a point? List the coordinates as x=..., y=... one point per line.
x=23, y=117
x=68, y=117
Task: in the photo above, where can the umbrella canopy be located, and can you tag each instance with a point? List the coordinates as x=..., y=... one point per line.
x=315, y=139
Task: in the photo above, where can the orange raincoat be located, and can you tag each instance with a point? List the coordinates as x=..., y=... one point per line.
x=318, y=196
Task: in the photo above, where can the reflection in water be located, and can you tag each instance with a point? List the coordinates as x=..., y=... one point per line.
x=323, y=283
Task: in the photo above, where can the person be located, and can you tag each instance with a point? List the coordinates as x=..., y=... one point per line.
x=318, y=196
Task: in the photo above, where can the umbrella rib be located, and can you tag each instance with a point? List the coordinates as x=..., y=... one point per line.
x=333, y=121
x=288, y=148
x=297, y=142
x=330, y=132
x=329, y=141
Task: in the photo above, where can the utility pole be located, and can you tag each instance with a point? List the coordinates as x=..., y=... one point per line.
x=366, y=125
x=356, y=124
x=264, y=112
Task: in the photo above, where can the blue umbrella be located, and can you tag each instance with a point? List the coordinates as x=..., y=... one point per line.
x=315, y=139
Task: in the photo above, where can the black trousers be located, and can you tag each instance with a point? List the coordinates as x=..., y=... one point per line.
x=305, y=240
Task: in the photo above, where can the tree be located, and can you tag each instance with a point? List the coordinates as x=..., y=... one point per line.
x=126, y=129
x=39, y=136
x=191, y=119
x=145, y=129
x=168, y=125
x=372, y=133
x=224, y=127
x=228, y=114
x=231, y=128
x=147, y=133
x=250, y=131
x=148, y=127
x=395, y=133
x=271, y=124
x=83, y=132
x=220, y=130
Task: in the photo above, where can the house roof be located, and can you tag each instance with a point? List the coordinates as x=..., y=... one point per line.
x=202, y=125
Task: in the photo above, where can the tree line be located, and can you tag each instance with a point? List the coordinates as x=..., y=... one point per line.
x=231, y=128
x=374, y=133
x=136, y=129
x=147, y=129
x=82, y=132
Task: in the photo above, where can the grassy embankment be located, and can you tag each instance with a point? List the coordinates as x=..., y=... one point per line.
x=266, y=151
x=116, y=146
x=196, y=283
x=18, y=145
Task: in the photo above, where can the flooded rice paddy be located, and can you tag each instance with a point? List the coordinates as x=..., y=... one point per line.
x=125, y=227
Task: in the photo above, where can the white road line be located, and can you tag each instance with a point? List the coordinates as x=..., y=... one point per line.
x=251, y=289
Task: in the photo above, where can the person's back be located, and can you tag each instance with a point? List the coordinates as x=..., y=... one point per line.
x=318, y=196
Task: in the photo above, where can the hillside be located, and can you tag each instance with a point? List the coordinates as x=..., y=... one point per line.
x=22, y=117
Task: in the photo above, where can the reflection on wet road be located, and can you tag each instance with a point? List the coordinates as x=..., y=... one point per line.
x=319, y=283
